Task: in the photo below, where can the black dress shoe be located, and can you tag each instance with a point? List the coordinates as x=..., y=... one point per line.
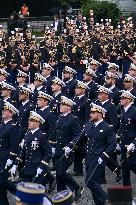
x=53, y=168
x=78, y=192
x=52, y=185
x=119, y=175
x=77, y=174
x=103, y=181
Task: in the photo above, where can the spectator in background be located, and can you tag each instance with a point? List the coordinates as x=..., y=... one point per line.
x=24, y=10
x=57, y=25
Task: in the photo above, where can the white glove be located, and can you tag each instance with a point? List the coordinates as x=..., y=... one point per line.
x=67, y=151
x=131, y=147
x=8, y=163
x=39, y=171
x=100, y=160
x=118, y=147
x=53, y=151
x=13, y=170
x=22, y=143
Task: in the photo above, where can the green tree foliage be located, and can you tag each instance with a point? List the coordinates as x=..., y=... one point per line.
x=102, y=10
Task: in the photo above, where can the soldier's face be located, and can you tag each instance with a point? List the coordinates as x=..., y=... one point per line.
x=132, y=72
x=93, y=67
x=2, y=78
x=66, y=75
x=108, y=81
x=6, y=114
x=87, y=77
x=22, y=96
x=79, y=91
x=125, y=101
x=102, y=96
x=5, y=92
x=42, y=102
x=94, y=116
x=37, y=83
x=128, y=84
x=32, y=124
x=64, y=108
x=46, y=72
x=20, y=80
x=55, y=87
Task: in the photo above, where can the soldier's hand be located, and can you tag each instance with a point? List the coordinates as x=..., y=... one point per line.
x=131, y=147
x=118, y=147
x=39, y=171
x=8, y=163
x=13, y=170
x=100, y=160
x=67, y=151
x=53, y=151
x=22, y=143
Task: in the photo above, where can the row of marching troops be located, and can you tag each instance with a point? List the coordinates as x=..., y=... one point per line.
x=72, y=46
x=67, y=121
x=59, y=106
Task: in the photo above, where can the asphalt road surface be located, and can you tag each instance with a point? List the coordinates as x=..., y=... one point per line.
x=86, y=198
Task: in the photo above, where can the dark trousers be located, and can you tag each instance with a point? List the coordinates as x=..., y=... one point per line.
x=78, y=161
x=63, y=178
x=127, y=165
x=99, y=195
x=4, y=186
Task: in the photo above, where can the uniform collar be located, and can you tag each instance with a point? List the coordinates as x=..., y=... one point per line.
x=98, y=122
x=39, y=88
x=33, y=131
x=44, y=108
x=57, y=93
x=111, y=88
x=23, y=103
x=6, y=121
x=7, y=98
x=65, y=114
x=80, y=96
x=104, y=102
x=87, y=83
x=69, y=80
x=126, y=108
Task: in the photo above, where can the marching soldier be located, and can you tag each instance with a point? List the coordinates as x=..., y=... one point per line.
x=21, y=80
x=43, y=109
x=127, y=131
x=132, y=70
x=67, y=134
x=129, y=82
x=24, y=110
x=101, y=143
x=81, y=110
x=39, y=83
x=9, y=143
x=36, y=152
x=111, y=117
x=94, y=65
x=110, y=83
x=57, y=86
x=3, y=75
x=48, y=127
x=70, y=82
x=113, y=68
x=46, y=73
x=6, y=92
x=88, y=79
